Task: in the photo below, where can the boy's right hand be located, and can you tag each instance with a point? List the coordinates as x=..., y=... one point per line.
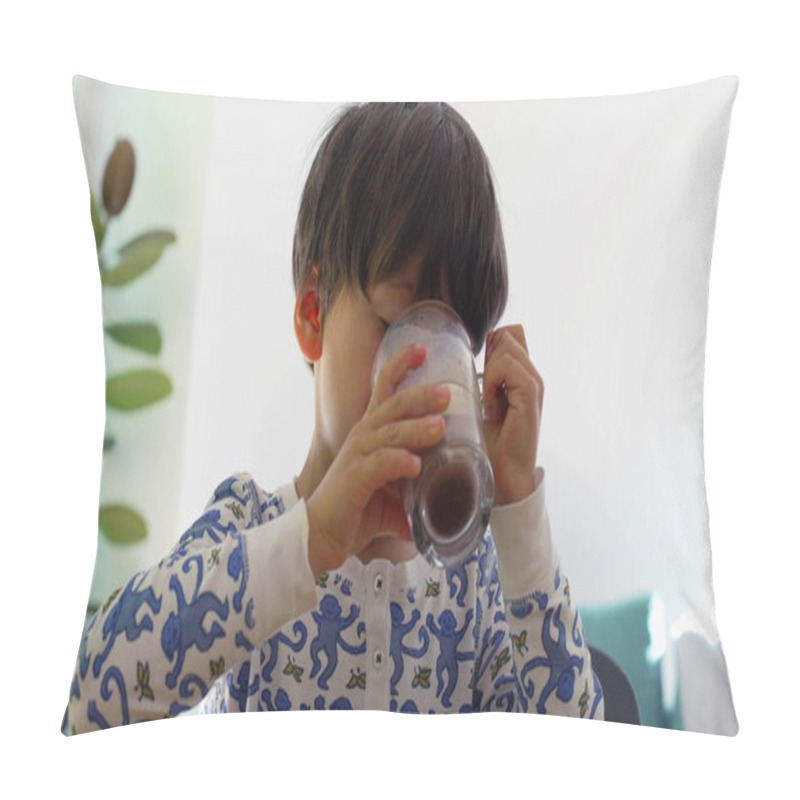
x=348, y=509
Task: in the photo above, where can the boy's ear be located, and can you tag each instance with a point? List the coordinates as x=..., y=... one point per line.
x=307, y=326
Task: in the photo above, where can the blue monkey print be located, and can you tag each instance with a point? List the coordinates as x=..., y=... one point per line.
x=488, y=574
x=577, y=639
x=187, y=691
x=499, y=616
x=241, y=689
x=409, y=707
x=226, y=490
x=449, y=639
x=83, y=656
x=340, y=703
x=505, y=701
x=122, y=618
x=397, y=649
x=248, y=614
x=485, y=562
x=208, y=525
x=237, y=569
x=260, y=512
x=512, y=699
x=488, y=650
x=329, y=634
x=274, y=642
x=558, y=659
x=495, y=593
x=184, y=628
x=459, y=573
x=74, y=688
x=476, y=628
x=93, y=713
x=271, y=508
x=521, y=608
x=491, y=643
x=489, y=656
x=282, y=701
x=490, y=578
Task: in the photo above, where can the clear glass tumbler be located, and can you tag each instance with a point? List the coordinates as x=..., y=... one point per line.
x=449, y=503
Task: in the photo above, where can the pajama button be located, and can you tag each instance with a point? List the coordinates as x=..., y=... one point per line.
x=377, y=659
x=378, y=584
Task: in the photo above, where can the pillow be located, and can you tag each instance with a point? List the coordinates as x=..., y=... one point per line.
x=608, y=207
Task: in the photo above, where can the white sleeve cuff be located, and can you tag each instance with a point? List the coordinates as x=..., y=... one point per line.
x=281, y=579
x=526, y=557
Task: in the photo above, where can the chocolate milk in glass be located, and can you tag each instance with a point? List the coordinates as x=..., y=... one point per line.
x=449, y=503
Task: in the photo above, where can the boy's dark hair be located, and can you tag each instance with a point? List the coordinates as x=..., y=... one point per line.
x=390, y=177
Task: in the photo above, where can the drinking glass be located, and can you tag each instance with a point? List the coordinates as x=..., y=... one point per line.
x=449, y=502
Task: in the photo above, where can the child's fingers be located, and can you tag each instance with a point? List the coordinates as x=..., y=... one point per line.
x=511, y=340
x=393, y=373
x=388, y=464
x=509, y=375
x=515, y=332
x=506, y=383
x=504, y=376
x=411, y=434
x=414, y=401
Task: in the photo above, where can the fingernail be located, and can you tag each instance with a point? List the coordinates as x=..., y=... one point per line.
x=419, y=350
x=442, y=393
x=435, y=423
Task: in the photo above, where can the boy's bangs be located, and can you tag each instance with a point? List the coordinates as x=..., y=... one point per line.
x=445, y=205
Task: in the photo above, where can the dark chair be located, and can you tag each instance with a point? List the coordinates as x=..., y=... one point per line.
x=618, y=694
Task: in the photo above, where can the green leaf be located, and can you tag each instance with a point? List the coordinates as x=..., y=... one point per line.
x=118, y=177
x=137, y=256
x=137, y=389
x=108, y=443
x=122, y=524
x=98, y=225
x=142, y=336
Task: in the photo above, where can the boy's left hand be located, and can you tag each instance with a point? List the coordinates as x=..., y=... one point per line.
x=513, y=394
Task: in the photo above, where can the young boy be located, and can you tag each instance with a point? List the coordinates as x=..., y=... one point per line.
x=314, y=595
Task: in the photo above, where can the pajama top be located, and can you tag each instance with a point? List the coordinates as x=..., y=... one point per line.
x=233, y=620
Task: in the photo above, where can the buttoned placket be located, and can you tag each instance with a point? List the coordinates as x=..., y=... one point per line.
x=378, y=631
